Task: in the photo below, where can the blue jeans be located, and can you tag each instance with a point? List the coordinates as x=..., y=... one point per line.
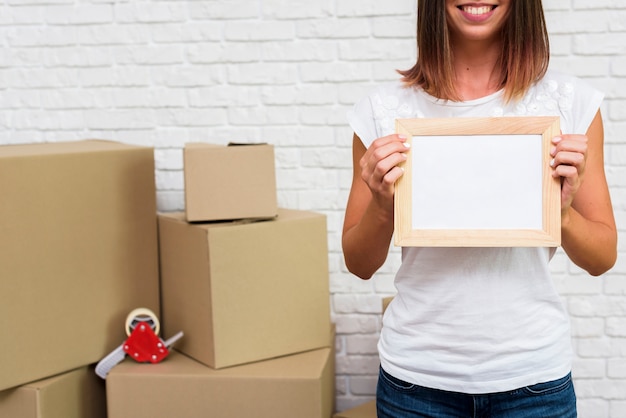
x=398, y=399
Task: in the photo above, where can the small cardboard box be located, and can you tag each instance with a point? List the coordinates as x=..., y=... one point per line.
x=367, y=410
x=78, y=252
x=245, y=291
x=386, y=301
x=300, y=385
x=76, y=394
x=229, y=182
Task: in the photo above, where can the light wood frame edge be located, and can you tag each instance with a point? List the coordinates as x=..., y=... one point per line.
x=548, y=236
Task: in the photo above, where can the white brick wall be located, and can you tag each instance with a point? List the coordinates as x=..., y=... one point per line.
x=164, y=72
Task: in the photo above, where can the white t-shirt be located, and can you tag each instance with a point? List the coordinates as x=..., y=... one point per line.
x=476, y=320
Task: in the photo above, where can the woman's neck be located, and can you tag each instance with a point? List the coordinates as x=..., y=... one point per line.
x=477, y=71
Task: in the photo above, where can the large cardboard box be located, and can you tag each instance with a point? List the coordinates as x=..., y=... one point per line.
x=75, y=394
x=367, y=410
x=229, y=182
x=78, y=252
x=245, y=291
x=300, y=385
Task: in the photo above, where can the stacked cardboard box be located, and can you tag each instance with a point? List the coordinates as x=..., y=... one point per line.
x=75, y=394
x=251, y=296
x=299, y=385
x=229, y=182
x=386, y=301
x=245, y=292
x=78, y=251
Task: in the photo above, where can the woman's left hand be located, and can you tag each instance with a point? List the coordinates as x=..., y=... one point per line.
x=588, y=231
x=569, y=157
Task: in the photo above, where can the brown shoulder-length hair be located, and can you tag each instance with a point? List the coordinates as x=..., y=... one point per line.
x=524, y=57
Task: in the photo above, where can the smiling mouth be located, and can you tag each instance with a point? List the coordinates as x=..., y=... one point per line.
x=476, y=10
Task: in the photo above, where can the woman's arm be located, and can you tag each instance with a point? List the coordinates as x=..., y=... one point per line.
x=368, y=222
x=589, y=235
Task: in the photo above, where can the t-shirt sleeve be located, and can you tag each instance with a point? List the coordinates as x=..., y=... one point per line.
x=361, y=120
x=587, y=101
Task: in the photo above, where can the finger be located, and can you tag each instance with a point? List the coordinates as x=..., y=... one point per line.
x=386, y=187
x=567, y=172
x=563, y=158
x=389, y=163
x=381, y=158
x=384, y=148
x=376, y=170
x=569, y=137
x=392, y=176
x=571, y=143
x=389, y=139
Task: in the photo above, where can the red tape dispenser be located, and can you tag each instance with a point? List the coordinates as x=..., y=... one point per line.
x=142, y=345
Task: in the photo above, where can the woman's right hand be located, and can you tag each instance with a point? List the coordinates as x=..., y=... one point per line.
x=368, y=224
x=379, y=167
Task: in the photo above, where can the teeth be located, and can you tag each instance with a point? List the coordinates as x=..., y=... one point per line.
x=473, y=10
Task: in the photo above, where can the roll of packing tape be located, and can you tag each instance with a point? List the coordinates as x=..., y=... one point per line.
x=142, y=315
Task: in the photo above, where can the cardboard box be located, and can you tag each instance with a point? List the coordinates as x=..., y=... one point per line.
x=386, y=301
x=300, y=385
x=78, y=252
x=245, y=291
x=367, y=410
x=76, y=394
x=229, y=182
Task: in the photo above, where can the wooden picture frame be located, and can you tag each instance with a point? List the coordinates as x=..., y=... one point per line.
x=478, y=182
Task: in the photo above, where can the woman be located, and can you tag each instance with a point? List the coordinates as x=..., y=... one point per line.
x=478, y=331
